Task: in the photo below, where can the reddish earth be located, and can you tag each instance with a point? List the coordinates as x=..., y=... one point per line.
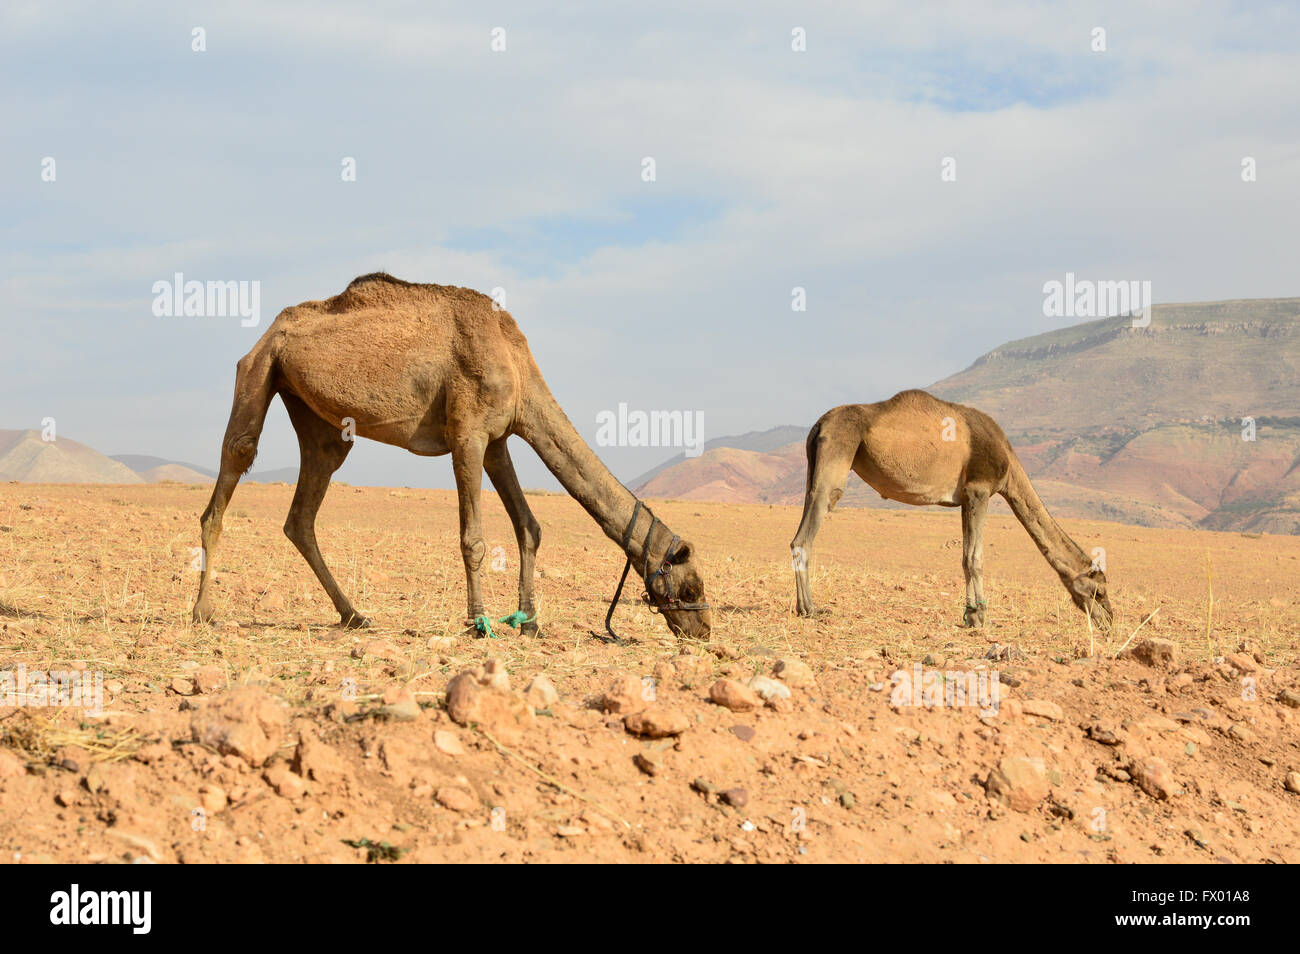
x=297, y=741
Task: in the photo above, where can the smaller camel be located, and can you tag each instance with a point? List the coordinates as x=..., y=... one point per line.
x=920, y=450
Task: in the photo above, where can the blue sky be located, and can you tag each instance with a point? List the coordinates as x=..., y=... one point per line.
x=522, y=170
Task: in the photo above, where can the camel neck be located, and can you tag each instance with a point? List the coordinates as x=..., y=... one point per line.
x=1065, y=556
x=548, y=430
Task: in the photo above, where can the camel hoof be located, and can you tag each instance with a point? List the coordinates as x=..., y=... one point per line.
x=974, y=618
x=355, y=621
x=530, y=629
x=203, y=614
x=815, y=612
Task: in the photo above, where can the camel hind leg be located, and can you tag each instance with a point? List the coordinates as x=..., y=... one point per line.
x=254, y=389
x=974, y=508
x=323, y=450
x=829, y=463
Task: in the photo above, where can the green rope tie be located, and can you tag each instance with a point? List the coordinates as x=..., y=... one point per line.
x=484, y=625
x=517, y=619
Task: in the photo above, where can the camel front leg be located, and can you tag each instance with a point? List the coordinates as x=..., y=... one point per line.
x=974, y=509
x=467, y=464
x=528, y=534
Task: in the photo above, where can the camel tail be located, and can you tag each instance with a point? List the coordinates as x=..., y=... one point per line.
x=810, y=449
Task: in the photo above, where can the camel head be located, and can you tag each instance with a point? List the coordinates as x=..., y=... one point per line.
x=677, y=590
x=1088, y=590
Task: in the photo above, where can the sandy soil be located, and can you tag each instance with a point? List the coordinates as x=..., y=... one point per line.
x=274, y=736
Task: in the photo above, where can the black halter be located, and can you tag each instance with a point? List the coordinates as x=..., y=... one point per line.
x=670, y=600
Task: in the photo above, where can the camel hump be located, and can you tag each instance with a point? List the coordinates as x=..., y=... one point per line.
x=379, y=277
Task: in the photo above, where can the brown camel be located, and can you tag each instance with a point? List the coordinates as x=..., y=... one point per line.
x=434, y=369
x=920, y=450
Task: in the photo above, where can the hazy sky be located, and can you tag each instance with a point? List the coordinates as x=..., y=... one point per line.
x=523, y=169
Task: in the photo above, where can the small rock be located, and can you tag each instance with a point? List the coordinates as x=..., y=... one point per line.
x=456, y=799
x=735, y=797
x=730, y=694
x=400, y=706
x=1104, y=734
x=541, y=692
x=1018, y=783
x=1153, y=777
x=625, y=694
x=1157, y=653
x=1292, y=782
x=657, y=722
x=1289, y=697
x=284, y=781
x=212, y=798
x=209, y=679
x=793, y=672
x=745, y=733
x=138, y=842
x=649, y=761
x=769, y=689
x=448, y=743
x=1241, y=662
x=182, y=687
x=1043, y=709
x=66, y=797
x=475, y=696
x=1239, y=732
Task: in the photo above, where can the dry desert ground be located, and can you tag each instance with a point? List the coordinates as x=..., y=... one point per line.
x=276, y=736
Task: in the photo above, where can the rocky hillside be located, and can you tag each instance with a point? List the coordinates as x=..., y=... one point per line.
x=1138, y=425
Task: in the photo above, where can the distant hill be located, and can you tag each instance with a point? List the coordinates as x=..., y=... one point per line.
x=154, y=469
x=1138, y=425
x=160, y=468
x=25, y=456
x=758, y=441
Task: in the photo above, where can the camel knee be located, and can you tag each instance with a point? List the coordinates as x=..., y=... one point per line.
x=237, y=453
x=474, y=550
x=531, y=536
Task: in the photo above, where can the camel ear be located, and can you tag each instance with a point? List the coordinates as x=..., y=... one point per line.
x=683, y=553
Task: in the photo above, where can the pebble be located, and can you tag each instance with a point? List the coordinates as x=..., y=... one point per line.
x=735, y=797
x=455, y=799
x=448, y=743
x=649, y=761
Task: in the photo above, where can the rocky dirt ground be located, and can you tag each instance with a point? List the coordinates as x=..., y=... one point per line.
x=275, y=736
